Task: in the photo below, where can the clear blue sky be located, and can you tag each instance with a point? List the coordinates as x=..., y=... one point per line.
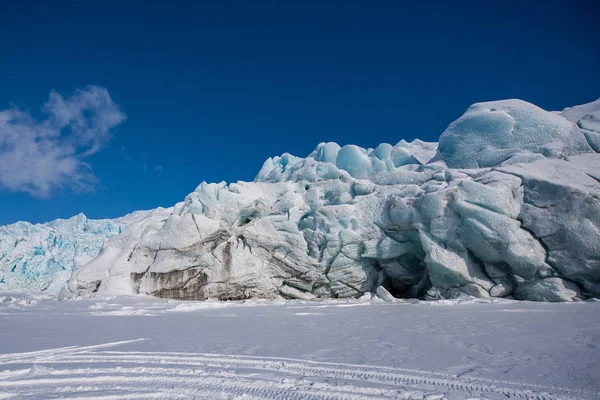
x=212, y=89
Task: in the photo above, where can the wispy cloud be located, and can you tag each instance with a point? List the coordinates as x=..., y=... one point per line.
x=125, y=155
x=159, y=169
x=39, y=156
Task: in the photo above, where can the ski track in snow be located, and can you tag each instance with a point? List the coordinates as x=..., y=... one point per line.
x=92, y=372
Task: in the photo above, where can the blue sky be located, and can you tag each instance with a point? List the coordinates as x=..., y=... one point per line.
x=208, y=90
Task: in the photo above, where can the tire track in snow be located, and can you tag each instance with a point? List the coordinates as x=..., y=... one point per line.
x=324, y=369
x=61, y=350
x=363, y=366
x=175, y=386
x=88, y=372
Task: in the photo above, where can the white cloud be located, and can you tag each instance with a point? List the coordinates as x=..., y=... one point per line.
x=39, y=156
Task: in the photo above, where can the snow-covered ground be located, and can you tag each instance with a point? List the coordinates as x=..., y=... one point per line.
x=141, y=347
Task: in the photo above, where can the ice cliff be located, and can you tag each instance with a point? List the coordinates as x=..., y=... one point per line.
x=42, y=257
x=507, y=204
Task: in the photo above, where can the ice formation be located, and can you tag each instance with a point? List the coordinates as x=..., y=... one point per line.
x=508, y=205
x=42, y=257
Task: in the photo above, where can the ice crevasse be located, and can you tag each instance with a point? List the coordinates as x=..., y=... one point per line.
x=507, y=204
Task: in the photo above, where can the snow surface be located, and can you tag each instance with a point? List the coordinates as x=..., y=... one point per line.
x=149, y=348
x=508, y=205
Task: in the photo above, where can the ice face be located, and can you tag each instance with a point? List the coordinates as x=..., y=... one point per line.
x=42, y=257
x=507, y=206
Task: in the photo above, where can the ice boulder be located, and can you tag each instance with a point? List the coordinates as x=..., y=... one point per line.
x=330, y=161
x=587, y=117
x=550, y=289
x=276, y=166
x=576, y=113
x=488, y=134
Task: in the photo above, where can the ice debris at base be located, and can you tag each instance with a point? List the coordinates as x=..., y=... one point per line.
x=42, y=257
x=507, y=206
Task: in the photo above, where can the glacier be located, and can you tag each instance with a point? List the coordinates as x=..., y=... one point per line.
x=42, y=257
x=506, y=204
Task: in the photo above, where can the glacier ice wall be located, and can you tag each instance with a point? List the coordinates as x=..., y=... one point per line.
x=507, y=204
x=42, y=257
